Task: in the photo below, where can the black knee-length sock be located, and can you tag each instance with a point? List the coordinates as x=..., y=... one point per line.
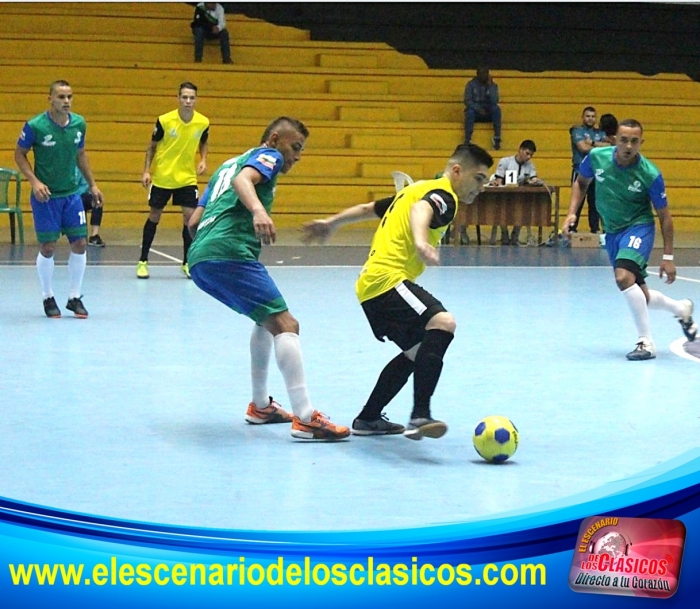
x=428, y=368
x=390, y=382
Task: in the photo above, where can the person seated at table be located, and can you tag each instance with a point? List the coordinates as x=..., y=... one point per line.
x=521, y=167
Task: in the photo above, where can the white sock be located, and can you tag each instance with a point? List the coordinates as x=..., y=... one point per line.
x=76, y=272
x=637, y=303
x=44, y=267
x=289, y=361
x=260, y=348
x=659, y=301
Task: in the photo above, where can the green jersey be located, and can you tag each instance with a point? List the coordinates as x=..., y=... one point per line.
x=55, y=151
x=624, y=195
x=226, y=230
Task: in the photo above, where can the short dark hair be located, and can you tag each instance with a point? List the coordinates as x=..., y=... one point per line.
x=608, y=124
x=282, y=120
x=471, y=154
x=187, y=85
x=630, y=122
x=58, y=83
x=529, y=145
x=588, y=109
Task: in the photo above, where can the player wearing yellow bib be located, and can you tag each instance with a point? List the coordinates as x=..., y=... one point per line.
x=177, y=137
x=412, y=224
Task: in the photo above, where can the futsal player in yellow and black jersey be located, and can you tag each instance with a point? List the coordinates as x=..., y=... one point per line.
x=176, y=139
x=411, y=226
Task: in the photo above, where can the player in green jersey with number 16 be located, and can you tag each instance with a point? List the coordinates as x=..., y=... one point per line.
x=628, y=188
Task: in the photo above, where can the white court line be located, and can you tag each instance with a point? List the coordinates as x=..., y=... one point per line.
x=677, y=347
x=178, y=260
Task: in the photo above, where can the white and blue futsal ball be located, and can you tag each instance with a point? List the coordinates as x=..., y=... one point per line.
x=495, y=438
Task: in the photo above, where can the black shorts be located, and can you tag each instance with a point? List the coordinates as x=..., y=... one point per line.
x=186, y=196
x=86, y=198
x=401, y=314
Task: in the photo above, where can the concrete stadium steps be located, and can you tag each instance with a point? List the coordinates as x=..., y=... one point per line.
x=131, y=19
x=265, y=52
x=348, y=162
x=310, y=107
x=214, y=79
x=88, y=10
x=173, y=29
x=130, y=195
x=337, y=107
x=599, y=86
x=370, y=109
x=234, y=134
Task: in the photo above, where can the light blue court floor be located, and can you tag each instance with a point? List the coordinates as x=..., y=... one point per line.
x=137, y=412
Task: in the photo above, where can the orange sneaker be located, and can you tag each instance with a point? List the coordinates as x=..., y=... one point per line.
x=272, y=413
x=318, y=428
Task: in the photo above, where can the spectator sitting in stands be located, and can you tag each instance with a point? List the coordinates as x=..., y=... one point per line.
x=481, y=106
x=210, y=23
x=523, y=169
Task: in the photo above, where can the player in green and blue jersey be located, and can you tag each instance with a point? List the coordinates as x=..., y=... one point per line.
x=629, y=188
x=57, y=139
x=223, y=261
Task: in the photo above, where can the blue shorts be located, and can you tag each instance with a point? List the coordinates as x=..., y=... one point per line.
x=634, y=243
x=244, y=286
x=59, y=215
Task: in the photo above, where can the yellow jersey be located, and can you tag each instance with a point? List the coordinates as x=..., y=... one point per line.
x=174, y=161
x=393, y=257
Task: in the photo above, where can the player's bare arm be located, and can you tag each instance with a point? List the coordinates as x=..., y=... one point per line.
x=667, y=267
x=578, y=190
x=84, y=166
x=41, y=191
x=195, y=219
x=321, y=230
x=244, y=185
x=420, y=217
x=202, y=165
x=150, y=151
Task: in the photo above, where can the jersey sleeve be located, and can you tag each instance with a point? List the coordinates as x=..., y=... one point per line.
x=205, y=136
x=501, y=169
x=382, y=205
x=657, y=193
x=82, y=135
x=586, y=168
x=444, y=207
x=267, y=161
x=204, y=199
x=158, y=132
x=26, y=137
